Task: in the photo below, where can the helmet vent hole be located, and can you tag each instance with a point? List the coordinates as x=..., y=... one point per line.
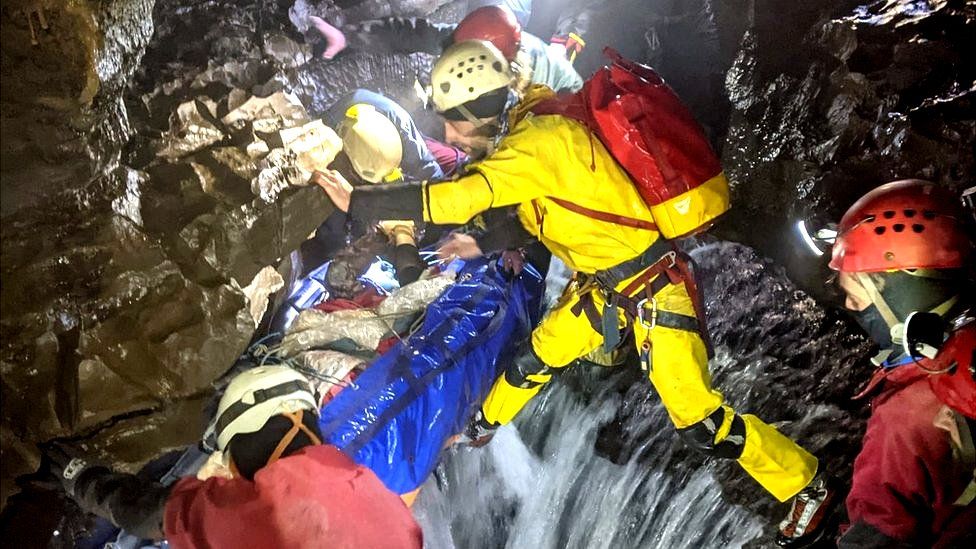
x=470, y=70
x=898, y=227
x=471, y=90
x=918, y=228
x=483, y=57
x=471, y=59
x=909, y=213
x=481, y=67
x=879, y=230
x=889, y=214
x=497, y=66
x=460, y=74
x=928, y=214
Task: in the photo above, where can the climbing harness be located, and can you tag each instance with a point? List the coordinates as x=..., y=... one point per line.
x=662, y=264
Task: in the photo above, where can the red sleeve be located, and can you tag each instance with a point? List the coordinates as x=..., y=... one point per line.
x=179, y=507
x=898, y=475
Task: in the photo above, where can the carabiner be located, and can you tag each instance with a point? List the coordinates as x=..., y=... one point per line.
x=642, y=318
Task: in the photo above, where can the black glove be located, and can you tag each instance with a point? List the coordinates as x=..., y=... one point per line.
x=67, y=464
x=479, y=431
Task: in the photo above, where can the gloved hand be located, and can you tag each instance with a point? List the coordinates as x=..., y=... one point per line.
x=479, y=431
x=400, y=232
x=67, y=464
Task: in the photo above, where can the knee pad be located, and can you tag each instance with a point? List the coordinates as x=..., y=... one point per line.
x=701, y=436
x=526, y=364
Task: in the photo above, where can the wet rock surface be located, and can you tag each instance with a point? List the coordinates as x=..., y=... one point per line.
x=147, y=188
x=838, y=98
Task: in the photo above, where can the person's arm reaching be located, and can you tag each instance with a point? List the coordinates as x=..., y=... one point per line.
x=385, y=36
x=520, y=170
x=130, y=502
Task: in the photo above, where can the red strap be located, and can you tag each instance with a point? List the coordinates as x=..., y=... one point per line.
x=604, y=216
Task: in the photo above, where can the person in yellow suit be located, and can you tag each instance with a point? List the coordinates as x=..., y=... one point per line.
x=575, y=198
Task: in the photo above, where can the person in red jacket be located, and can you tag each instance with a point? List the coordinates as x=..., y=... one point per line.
x=287, y=489
x=904, y=257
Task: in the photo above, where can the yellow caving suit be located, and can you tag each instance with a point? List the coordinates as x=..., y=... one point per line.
x=549, y=156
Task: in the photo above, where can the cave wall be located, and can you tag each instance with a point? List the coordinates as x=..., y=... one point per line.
x=135, y=216
x=837, y=99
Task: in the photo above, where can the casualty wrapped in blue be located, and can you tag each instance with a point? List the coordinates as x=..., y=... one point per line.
x=397, y=416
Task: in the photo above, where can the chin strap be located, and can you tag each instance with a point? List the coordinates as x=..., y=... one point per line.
x=297, y=425
x=470, y=117
x=879, y=301
x=896, y=325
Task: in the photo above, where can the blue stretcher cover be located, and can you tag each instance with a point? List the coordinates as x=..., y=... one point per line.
x=399, y=413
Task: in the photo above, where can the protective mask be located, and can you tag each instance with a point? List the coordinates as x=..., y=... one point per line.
x=874, y=324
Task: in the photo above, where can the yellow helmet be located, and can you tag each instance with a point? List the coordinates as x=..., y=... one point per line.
x=372, y=143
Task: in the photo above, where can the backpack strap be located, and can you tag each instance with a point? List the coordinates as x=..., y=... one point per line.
x=605, y=216
x=966, y=454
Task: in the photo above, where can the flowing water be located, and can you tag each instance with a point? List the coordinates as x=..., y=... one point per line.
x=594, y=462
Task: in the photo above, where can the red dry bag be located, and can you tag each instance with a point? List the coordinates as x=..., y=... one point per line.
x=656, y=140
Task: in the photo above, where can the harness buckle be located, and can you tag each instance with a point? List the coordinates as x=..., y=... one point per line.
x=672, y=258
x=642, y=307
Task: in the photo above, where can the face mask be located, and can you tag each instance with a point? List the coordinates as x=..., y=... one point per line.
x=874, y=324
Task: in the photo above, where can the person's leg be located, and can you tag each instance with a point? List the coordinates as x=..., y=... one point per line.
x=564, y=335
x=677, y=362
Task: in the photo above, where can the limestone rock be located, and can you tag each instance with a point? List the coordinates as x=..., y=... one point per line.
x=265, y=283
x=286, y=52
x=192, y=128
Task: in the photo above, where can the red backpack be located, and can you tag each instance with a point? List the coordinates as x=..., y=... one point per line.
x=655, y=139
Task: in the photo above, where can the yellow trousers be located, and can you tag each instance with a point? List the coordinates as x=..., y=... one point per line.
x=677, y=363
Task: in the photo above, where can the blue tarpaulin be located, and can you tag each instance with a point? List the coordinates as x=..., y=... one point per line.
x=398, y=414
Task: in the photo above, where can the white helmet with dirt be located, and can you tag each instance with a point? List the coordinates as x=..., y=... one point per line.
x=467, y=71
x=257, y=395
x=372, y=143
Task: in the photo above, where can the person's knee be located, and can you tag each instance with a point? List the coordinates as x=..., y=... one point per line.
x=528, y=371
x=701, y=436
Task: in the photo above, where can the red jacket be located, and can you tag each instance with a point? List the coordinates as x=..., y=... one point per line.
x=905, y=478
x=315, y=498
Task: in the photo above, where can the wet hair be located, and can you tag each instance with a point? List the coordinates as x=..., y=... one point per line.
x=251, y=451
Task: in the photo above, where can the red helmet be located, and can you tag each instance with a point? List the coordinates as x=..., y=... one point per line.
x=494, y=24
x=908, y=224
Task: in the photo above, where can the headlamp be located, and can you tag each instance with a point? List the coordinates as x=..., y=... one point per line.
x=818, y=241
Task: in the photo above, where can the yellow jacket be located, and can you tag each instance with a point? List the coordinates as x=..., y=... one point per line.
x=546, y=157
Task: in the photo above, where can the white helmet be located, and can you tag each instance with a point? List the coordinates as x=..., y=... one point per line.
x=466, y=71
x=372, y=143
x=257, y=395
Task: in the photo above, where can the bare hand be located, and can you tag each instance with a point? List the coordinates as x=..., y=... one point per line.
x=333, y=37
x=334, y=185
x=460, y=245
x=513, y=261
